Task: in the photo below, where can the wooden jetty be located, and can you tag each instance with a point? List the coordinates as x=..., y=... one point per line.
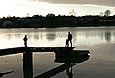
x=16, y=50
x=60, y=51
x=74, y=56
x=65, y=55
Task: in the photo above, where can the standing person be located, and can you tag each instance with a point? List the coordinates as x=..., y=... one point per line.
x=25, y=40
x=70, y=38
x=67, y=44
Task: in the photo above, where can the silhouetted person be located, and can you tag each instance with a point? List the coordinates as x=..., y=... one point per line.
x=67, y=43
x=69, y=73
x=25, y=40
x=70, y=38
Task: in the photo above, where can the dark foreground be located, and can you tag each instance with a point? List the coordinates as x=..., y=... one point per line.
x=65, y=55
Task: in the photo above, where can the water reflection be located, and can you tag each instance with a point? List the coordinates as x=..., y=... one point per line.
x=68, y=60
x=102, y=54
x=17, y=36
x=69, y=72
x=36, y=36
x=9, y=36
x=57, y=38
x=5, y=73
x=108, y=36
x=51, y=36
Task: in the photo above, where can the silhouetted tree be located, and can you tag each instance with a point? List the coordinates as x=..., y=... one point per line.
x=107, y=13
x=72, y=13
x=50, y=15
x=101, y=14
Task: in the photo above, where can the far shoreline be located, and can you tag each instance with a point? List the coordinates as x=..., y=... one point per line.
x=52, y=21
x=59, y=27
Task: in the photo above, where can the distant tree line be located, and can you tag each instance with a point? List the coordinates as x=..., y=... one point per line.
x=50, y=20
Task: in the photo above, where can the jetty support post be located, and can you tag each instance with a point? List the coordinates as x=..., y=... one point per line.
x=27, y=65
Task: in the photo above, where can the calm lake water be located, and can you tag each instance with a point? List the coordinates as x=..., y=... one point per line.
x=99, y=41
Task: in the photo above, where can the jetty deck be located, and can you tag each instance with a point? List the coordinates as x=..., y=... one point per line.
x=16, y=50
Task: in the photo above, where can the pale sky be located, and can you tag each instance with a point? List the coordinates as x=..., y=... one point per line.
x=63, y=7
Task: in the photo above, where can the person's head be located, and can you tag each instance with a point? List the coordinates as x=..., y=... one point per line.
x=68, y=32
x=25, y=35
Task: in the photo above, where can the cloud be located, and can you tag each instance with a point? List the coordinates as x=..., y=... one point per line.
x=81, y=2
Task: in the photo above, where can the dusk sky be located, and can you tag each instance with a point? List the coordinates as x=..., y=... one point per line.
x=63, y=7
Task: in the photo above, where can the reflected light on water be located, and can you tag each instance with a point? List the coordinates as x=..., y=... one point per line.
x=56, y=37
x=100, y=42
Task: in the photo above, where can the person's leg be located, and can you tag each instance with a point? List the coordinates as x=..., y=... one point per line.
x=71, y=42
x=25, y=43
x=68, y=43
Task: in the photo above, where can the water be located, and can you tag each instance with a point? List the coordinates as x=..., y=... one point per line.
x=99, y=41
